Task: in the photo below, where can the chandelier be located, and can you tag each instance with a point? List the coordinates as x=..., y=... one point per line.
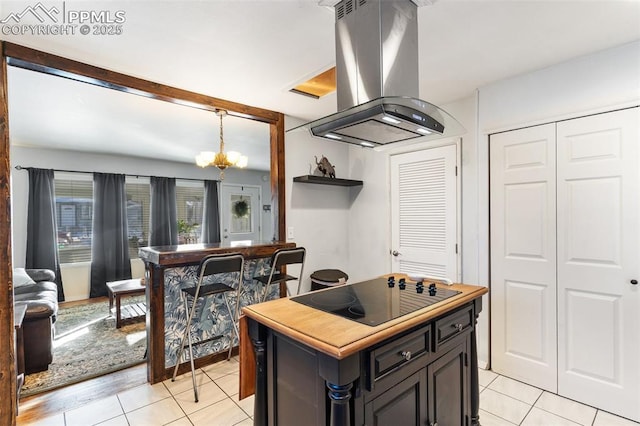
x=221, y=159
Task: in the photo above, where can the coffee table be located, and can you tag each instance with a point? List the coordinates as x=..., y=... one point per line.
x=116, y=290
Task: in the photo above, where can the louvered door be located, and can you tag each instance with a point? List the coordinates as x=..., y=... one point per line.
x=424, y=212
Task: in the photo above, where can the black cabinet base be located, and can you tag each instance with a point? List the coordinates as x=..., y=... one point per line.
x=295, y=383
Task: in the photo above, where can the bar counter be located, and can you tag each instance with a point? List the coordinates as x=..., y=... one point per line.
x=170, y=268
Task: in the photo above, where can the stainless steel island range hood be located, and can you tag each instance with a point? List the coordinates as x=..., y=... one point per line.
x=377, y=78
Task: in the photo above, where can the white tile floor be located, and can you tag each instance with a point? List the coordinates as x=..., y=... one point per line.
x=507, y=402
x=503, y=402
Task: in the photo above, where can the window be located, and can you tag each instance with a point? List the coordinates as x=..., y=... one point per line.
x=190, y=203
x=138, y=206
x=74, y=214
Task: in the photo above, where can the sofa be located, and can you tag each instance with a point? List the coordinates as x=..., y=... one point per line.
x=36, y=288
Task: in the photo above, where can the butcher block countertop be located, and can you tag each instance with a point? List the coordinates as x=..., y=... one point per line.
x=340, y=337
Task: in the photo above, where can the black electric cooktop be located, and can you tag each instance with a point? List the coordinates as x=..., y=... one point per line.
x=376, y=301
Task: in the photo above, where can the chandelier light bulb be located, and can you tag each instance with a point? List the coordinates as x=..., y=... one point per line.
x=221, y=159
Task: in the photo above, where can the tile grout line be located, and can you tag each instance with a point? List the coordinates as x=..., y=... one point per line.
x=230, y=396
x=531, y=408
x=177, y=403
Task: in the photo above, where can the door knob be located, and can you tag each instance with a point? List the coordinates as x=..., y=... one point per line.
x=396, y=253
x=634, y=282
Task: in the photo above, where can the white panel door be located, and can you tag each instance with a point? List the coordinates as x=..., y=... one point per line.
x=598, y=257
x=523, y=255
x=424, y=212
x=240, y=212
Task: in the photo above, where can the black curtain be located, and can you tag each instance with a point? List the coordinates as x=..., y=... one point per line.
x=211, y=213
x=42, y=234
x=109, y=244
x=163, y=218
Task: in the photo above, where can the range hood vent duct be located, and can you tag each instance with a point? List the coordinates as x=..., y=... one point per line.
x=377, y=78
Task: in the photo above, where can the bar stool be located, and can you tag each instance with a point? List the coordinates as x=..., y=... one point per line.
x=210, y=265
x=280, y=258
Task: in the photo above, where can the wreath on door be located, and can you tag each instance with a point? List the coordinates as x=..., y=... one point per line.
x=240, y=208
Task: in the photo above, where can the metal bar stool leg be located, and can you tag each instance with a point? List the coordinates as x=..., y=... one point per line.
x=193, y=368
x=182, y=341
x=187, y=336
x=234, y=315
x=266, y=286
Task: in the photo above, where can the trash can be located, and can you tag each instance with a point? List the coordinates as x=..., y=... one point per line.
x=325, y=278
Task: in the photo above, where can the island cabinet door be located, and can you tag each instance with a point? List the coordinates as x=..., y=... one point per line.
x=404, y=404
x=448, y=384
x=297, y=394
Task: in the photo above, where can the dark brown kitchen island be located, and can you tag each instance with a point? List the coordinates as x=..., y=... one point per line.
x=167, y=268
x=417, y=368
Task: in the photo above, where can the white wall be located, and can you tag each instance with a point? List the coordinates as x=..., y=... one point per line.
x=318, y=214
x=76, y=277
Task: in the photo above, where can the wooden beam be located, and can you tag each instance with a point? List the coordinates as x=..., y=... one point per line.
x=24, y=57
x=8, y=404
x=276, y=131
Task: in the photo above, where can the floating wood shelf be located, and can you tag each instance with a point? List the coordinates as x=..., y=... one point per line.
x=327, y=180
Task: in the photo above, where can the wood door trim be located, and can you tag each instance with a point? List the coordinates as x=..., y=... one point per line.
x=8, y=406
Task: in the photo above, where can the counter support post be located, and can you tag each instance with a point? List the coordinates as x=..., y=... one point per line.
x=339, y=376
x=154, y=275
x=339, y=397
x=258, y=337
x=475, y=386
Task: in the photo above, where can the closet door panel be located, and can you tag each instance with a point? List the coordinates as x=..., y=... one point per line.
x=598, y=190
x=523, y=257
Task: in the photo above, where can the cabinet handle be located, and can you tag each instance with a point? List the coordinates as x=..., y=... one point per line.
x=457, y=326
x=634, y=282
x=406, y=355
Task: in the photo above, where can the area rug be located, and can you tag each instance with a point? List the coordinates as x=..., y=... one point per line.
x=87, y=344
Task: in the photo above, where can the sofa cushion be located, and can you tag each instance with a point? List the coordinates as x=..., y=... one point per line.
x=41, y=274
x=21, y=278
x=41, y=299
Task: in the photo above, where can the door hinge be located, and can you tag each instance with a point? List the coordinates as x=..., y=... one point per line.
x=456, y=248
x=466, y=360
x=456, y=170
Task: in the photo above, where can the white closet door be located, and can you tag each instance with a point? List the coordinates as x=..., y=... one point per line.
x=523, y=255
x=598, y=256
x=424, y=212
